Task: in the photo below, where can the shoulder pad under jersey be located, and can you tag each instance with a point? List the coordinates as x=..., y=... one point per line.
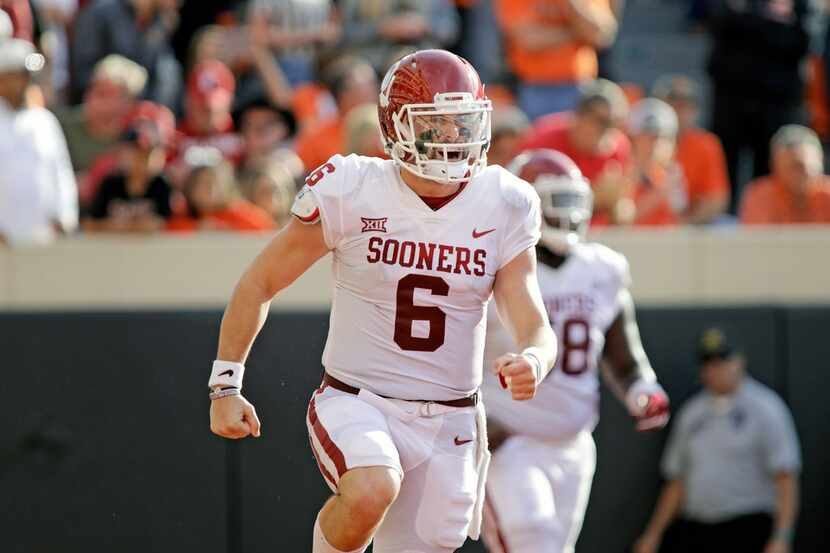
x=305, y=207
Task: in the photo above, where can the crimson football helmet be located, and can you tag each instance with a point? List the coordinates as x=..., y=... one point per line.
x=435, y=117
x=567, y=200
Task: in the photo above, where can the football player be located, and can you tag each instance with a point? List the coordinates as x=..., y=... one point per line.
x=419, y=243
x=544, y=455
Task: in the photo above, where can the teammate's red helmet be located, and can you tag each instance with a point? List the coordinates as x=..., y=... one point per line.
x=434, y=116
x=567, y=200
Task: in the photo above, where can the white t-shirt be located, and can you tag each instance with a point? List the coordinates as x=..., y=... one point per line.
x=411, y=285
x=582, y=300
x=37, y=184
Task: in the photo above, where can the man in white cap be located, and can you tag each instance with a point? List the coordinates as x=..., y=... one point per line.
x=660, y=194
x=38, y=194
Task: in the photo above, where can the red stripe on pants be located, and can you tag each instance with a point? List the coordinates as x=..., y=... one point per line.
x=323, y=470
x=325, y=440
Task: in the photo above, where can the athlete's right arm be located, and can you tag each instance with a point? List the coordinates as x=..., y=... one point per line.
x=291, y=252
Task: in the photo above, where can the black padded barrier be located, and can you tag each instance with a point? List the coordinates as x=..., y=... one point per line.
x=106, y=445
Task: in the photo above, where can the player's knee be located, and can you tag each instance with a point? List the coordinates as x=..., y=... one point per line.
x=369, y=492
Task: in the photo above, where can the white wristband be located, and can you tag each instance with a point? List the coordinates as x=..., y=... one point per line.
x=534, y=356
x=226, y=373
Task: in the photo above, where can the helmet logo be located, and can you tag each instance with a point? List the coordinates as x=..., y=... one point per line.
x=386, y=85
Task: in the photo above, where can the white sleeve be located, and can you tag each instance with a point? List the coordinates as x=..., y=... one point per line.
x=324, y=197
x=525, y=227
x=66, y=189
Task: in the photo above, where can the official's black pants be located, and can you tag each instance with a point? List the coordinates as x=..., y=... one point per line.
x=744, y=534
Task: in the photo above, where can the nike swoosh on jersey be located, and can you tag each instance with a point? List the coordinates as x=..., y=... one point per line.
x=462, y=442
x=477, y=234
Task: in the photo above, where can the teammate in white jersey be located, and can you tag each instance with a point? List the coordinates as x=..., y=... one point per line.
x=419, y=243
x=544, y=455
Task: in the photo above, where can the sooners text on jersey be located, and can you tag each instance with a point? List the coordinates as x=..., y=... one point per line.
x=411, y=284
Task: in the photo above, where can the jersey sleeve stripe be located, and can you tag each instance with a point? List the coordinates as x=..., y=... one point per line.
x=310, y=218
x=322, y=435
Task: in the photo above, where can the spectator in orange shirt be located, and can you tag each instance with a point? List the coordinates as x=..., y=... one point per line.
x=699, y=152
x=352, y=82
x=659, y=187
x=212, y=201
x=797, y=191
x=552, y=48
x=591, y=137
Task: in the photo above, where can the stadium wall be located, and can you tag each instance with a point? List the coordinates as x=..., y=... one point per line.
x=675, y=266
x=108, y=446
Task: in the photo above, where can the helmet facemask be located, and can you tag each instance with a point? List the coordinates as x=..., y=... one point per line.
x=445, y=141
x=567, y=205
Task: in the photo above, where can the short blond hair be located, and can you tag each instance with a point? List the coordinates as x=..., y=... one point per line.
x=122, y=71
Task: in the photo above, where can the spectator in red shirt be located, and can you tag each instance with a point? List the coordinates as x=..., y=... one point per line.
x=211, y=198
x=699, y=152
x=207, y=119
x=659, y=186
x=591, y=137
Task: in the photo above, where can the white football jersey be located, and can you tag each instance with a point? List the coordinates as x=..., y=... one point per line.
x=411, y=285
x=582, y=300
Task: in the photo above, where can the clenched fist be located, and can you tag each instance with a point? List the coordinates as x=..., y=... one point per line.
x=233, y=417
x=517, y=373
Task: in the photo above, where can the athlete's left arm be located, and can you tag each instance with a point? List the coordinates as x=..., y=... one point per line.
x=629, y=369
x=520, y=305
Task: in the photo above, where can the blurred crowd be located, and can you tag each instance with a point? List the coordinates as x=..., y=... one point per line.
x=145, y=116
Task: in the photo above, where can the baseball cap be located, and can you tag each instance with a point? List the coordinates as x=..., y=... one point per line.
x=713, y=344
x=18, y=55
x=676, y=87
x=652, y=116
x=212, y=83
